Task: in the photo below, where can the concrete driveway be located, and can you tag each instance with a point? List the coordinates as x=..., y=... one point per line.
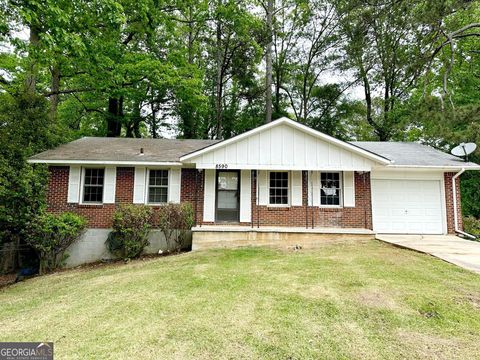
x=464, y=253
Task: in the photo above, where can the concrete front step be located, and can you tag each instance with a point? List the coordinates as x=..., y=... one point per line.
x=204, y=239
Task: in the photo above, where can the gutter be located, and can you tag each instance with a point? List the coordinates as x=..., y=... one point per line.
x=455, y=211
x=105, y=162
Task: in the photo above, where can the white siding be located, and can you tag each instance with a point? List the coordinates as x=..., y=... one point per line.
x=139, y=185
x=262, y=183
x=209, y=203
x=174, y=183
x=245, y=196
x=284, y=148
x=349, y=189
x=74, y=184
x=110, y=185
x=296, y=188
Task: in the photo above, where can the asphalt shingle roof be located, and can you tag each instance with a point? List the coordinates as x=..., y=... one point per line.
x=412, y=154
x=170, y=150
x=123, y=149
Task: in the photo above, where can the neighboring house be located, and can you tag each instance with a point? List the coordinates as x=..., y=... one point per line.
x=260, y=186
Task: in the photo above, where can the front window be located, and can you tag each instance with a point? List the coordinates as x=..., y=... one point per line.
x=158, y=186
x=93, y=185
x=278, y=188
x=330, y=192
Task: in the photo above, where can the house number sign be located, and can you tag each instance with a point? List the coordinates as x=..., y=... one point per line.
x=221, y=166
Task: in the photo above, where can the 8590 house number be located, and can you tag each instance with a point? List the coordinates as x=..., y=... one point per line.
x=221, y=166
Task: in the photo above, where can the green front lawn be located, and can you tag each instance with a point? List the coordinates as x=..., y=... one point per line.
x=357, y=300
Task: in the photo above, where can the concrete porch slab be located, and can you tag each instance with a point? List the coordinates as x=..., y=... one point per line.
x=450, y=248
x=282, y=229
x=211, y=237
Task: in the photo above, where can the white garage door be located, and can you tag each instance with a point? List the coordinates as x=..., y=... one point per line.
x=407, y=206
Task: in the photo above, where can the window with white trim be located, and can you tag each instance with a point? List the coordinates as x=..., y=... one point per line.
x=279, y=188
x=157, y=186
x=93, y=182
x=330, y=188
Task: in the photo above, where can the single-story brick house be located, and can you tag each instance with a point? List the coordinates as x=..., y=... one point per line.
x=260, y=186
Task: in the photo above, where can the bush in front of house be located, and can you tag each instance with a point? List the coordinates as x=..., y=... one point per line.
x=175, y=220
x=51, y=234
x=471, y=225
x=131, y=226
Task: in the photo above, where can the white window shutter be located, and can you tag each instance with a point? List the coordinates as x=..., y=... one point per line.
x=174, y=183
x=245, y=196
x=139, y=185
x=74, y=184
x=297, y=188
x=262, y=183
x=209, y=197
x=316, y=185
x=109, y=185
x=348, y=189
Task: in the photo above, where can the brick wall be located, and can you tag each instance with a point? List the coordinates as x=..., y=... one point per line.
x=192, y=191
x=192, y=183
x=98, y=216
x=449, y=202
x=359, y=216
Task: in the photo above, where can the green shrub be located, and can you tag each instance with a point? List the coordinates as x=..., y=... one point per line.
x=50, y=235
x=175, y=220
x=131, y=226
x=471, y=225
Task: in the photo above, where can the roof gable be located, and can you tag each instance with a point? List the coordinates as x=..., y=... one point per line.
x=284, y=144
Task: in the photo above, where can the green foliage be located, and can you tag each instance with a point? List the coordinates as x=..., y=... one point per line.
x=175, y=220
x=25, y=129
x=50, y=235
x=471, y=225
x=131, y=226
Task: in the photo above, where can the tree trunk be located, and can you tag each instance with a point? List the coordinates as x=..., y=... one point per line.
x=278, y=83
x=115, y=114
x=268, y=63
x=31, y=78
x=154, y=120
x=219, y=80
x=55, y=88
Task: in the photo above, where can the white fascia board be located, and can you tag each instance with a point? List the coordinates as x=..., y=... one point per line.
x=103, y=162
x=296, y=125
x=286, y=167
x=429, y=167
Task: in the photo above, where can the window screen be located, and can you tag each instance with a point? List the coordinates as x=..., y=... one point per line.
x=158, y=186
x=93, y=185
x=330, y=192
x=279, y=188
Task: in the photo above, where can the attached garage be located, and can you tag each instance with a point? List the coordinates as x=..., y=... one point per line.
x=408, y=206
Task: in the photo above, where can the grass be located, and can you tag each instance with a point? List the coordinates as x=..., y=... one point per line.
x=355, y=301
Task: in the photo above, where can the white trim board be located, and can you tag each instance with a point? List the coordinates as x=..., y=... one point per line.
x=104, y=162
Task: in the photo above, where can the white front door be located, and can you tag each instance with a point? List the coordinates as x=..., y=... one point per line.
x=407, y=206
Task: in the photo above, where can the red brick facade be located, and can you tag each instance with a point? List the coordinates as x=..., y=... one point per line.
x=449, y=202
x=98, y=216
x=359, y=216
x=192, y=184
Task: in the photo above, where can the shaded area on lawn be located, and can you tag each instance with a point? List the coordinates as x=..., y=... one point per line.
x=354, y=300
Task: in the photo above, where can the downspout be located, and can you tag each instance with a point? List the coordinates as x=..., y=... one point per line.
x=306, y=205
x=455, y=212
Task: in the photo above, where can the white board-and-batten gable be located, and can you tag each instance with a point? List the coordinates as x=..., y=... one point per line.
x=284, y=145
